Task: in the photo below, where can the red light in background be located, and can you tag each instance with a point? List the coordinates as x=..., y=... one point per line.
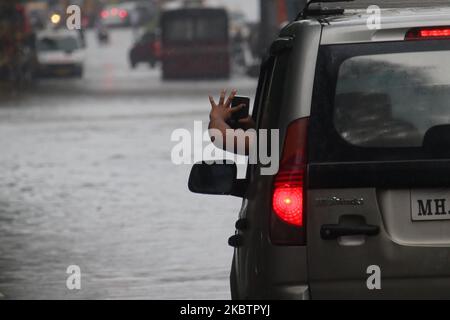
x=156, y=48
x=123, y=14
x=104, y=14
x=114, y=11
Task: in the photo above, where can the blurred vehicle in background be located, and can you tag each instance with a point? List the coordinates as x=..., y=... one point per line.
x=18, y=59
x=127, y=14
x=116, y=15
x=146, y=49
x=195, y=43
x=57, y=21
x=102, y=35
x=60, y=53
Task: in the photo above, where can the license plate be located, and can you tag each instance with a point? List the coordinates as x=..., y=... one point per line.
x=430, y=204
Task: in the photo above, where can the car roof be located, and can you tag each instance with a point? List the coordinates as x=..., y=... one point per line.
x=352, y=27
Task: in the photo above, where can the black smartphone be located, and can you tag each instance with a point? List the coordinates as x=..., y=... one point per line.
x=243, y=113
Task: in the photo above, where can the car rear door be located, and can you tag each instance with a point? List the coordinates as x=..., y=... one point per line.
x=244, y=246
x=378, y=204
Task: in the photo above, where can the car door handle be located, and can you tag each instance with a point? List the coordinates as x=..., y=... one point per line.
x=334, y=231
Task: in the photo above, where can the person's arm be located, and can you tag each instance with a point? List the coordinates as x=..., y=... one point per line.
x=220, y=114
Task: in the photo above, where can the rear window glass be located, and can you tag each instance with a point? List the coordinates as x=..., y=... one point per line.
x=392, y=100
x=58, y=44
x=385, y=101
x=196, y=29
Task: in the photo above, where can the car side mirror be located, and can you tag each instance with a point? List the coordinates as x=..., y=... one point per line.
x=218, y=179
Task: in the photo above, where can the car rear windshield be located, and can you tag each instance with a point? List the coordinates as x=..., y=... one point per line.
x=58, y=44
x=380, y=101
x=200, y=28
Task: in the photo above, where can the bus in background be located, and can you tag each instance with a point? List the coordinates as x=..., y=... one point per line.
x=195, y=43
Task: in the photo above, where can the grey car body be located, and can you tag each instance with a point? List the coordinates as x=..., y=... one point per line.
x=377, y=171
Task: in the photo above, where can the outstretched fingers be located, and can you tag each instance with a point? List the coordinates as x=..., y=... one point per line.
x=212, y=102
x=222, y=97
x=230, y=98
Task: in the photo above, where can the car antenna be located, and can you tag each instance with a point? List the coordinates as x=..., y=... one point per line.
x=319, y=10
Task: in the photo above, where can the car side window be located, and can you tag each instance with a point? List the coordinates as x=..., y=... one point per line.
x=270, y=98
x=269, y=115
x=262, y=93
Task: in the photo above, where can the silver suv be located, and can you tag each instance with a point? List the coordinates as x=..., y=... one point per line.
x=360, y=205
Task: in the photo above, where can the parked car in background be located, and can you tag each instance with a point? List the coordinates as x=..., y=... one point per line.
x=147, y=50
x=60, y=53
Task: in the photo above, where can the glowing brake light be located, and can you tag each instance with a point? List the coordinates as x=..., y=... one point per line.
x=428, y=33
x=288, y=197
x=114, y=11
x=435, y=33
x=104, y=14
x=288, y=204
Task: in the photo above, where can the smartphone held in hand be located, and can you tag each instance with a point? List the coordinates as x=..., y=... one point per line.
x=241, y=114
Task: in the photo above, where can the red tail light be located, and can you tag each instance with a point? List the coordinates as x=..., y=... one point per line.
x=288, y=204
x=104, y=14
x=156, y=48
x=288, y=199
x=428, y=33
x=123, y=14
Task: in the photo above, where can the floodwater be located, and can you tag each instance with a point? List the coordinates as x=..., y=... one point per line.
x=86, y=179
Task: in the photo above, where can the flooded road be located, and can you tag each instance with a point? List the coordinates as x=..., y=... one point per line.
x=86, y=179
